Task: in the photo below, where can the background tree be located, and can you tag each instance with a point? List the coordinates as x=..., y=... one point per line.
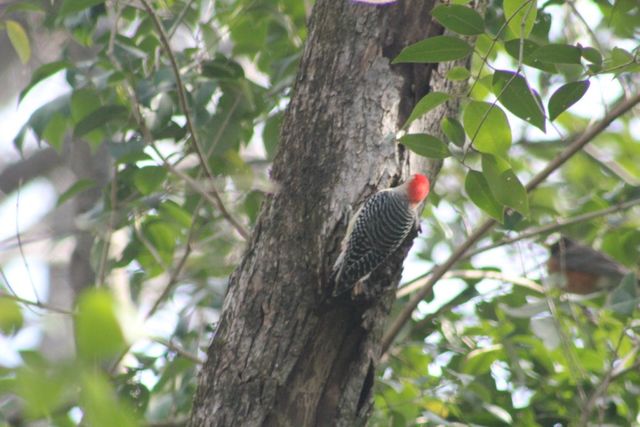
x=165, y=135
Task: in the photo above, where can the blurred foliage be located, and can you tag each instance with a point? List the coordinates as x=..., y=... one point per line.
x=497, y=355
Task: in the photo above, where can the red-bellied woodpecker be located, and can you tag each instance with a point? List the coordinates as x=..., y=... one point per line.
x=377, y=230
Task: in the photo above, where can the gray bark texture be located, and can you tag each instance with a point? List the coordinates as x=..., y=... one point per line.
x=285, y=353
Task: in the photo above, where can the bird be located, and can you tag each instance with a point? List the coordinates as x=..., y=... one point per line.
x=377, y=230
x=585, y=269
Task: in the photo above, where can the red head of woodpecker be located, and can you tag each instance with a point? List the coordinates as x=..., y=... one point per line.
x=377, y=230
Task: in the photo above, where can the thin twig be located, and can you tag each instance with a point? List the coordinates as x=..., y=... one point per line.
x=179, y=350
x=37, y=304
x=20, y=248
x=588, y=135
x=561, y=223
x=473, y=274
x=173, y=279
x=182, y=98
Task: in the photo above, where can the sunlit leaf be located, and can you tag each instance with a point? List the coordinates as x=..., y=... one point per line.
x=487, y=126
x=98, y=333
x=425, y=145
x=458, y=73
x=459, y=19
x=520, y=16
x=19, y=40
x=426, y=104
x=10, y=316
x=434, y=49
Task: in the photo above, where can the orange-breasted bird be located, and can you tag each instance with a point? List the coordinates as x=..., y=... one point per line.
x=585, y=269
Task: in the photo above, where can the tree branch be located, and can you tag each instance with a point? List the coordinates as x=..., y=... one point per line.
x=588, y=135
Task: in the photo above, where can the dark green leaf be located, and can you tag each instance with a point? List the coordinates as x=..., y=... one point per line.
x=566, y=96
x=98, y=333
x=528, y=47
x=478, y=190
x=624, y=298
x=42, y=73
x=77, y=187
x=73, y=6
x=99, y=404
x=460, y=19
x=515, y=94
x=83, y=102
x=149, y=178
x=487, y=126
x=520, y=16
x=434, y=49
x=458, y=73
x=426, y=104
x=504, y=184
x=55, y=130
x=99, y=117
x=19, y=40
x=425, y=145
x=592, y=55
x=453, y=130
x=558, y=54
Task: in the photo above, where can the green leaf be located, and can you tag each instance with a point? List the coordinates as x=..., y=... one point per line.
x=426, y=104
x=99, y=117
x=487, y=126
x=478, y=190
x=515, y=94
x=77, y=187
x=528, y=47
x=55, y=130
x=558, y=54
x=459, y=19
x=425, y=145
x=457, y=74
x=10, y=316
x=434, y=49
x=520, y=16
x=479, y=361
x=149, y=178
x=73, y=6
x=46, y=70
x=100, y=405
x=592, y=55
x=504, y=184
x=98, y=333
x=19, y=40
x=566, y=96
x=624, y=298
x=83, y=102
x=453, y=130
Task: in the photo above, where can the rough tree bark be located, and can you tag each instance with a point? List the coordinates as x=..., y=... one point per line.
x=284, y=353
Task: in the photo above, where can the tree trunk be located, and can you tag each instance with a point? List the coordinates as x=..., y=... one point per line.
x=285, y=353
